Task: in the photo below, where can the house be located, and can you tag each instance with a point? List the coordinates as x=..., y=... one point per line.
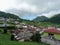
x=2, y=19
x=52, y=31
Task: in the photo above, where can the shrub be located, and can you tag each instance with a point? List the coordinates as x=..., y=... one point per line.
x=36, y=37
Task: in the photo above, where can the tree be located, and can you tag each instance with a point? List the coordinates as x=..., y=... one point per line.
x=36, y=37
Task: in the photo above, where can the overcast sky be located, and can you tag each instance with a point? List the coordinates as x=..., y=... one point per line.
x=30, y=9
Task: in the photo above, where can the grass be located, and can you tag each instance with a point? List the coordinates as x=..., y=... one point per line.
x=5, y=40
x=57, y=36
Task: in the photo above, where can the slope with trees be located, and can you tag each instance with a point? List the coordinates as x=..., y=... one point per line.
x=41, y=19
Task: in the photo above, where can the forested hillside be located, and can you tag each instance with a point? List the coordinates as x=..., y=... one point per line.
x=8, y=15
x=55, y=18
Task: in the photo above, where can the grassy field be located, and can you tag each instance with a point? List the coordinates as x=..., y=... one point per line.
x=5, y=40
x=57, y=36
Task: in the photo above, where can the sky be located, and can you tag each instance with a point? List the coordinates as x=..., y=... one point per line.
x=30, y=9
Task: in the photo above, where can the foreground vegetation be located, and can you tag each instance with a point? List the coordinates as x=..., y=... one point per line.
x=5, y=40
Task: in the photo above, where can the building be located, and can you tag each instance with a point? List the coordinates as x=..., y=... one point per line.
x=51, y=31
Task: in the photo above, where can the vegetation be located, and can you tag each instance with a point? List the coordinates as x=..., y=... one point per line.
x=57, y=36
x=45, y=22
x=55, y=18
x=8, y=15
x=36, y=37
x=5, y=40
x=41, y=19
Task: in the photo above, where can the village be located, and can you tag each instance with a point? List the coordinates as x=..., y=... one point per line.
x=26, y=32
x=29, y=22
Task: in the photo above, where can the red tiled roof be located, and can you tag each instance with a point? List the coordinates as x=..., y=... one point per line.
x=52, y=31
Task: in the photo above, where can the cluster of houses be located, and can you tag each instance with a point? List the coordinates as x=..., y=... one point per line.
x=3, y=21
x=26, y=31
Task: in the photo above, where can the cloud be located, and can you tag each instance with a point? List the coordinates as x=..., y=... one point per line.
x=6, y=4
x=27, y=7
x=51, y=13
x=31, y=8
x=23, y=14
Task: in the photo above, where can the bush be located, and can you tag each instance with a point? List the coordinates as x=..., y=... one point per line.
x=36, y=37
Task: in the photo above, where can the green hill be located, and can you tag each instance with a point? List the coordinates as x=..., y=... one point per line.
x=8, y=15
x=55, y=18
x=41, y=19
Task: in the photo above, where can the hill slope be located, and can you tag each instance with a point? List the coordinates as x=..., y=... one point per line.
x=55, y=18
x=8, y=15
x=41, y=18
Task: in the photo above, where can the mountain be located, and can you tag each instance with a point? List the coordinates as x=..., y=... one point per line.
x=55, y=18
x=41, y=18
x=8, y=15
